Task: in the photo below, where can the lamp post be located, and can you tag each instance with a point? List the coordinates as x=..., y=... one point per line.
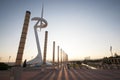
x=111, y=51
x=9, y=59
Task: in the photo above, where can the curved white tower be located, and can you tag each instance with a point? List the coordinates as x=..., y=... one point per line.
x=41, y=23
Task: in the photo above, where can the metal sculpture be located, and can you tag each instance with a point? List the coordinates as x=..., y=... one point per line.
x=41, y=23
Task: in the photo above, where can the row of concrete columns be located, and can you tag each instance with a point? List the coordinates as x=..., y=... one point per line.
x=62, y=57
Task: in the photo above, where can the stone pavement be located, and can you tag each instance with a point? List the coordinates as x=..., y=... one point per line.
x=65, y=74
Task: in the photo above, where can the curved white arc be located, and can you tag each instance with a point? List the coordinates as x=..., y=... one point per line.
x=43, y=23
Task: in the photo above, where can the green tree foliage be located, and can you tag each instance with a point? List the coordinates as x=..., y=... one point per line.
x=4, y=66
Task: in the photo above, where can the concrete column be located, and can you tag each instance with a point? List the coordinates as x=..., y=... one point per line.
x=22, y=39
x=45, y=47
x=58, y=56
x=61, y=57
x=53, y=52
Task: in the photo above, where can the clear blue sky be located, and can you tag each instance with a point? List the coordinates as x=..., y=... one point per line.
x=80, y=27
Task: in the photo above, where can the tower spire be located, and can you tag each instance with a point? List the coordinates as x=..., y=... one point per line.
x=42, y=14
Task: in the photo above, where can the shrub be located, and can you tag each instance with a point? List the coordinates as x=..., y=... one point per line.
x=4, y=66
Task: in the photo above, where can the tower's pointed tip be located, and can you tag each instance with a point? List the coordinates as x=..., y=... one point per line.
x=42, y=10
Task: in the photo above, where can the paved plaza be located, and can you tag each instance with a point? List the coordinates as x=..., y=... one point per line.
x=65, y=74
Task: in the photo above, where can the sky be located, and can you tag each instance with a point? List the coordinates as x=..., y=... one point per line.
x=82, y=28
